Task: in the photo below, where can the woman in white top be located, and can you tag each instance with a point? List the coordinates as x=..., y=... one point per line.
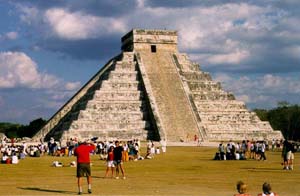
x=14, y=159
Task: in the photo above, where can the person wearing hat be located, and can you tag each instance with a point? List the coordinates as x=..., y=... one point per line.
x=82, y=152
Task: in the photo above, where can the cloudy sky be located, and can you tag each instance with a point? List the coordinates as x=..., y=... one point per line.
x=49, y=49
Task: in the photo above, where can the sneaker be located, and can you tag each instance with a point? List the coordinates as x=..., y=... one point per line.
x=117, y=177
x=124, y=177
x=79, y=193
x=89, y=191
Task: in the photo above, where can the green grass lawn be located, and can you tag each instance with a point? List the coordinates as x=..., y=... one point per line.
x=181, y=171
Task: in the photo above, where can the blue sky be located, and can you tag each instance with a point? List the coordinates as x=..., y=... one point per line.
x=49, y=49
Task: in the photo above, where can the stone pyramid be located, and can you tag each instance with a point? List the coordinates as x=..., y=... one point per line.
x=152, y=92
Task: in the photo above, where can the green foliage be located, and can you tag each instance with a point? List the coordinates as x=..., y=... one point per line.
x=18, y=131
x=285, y=117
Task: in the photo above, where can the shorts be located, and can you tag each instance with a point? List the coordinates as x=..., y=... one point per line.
x=290, y=155
x=110, y=164
x=83, y=169
x=118, y=162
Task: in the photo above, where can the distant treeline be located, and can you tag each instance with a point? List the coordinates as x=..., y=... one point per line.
x=13, y=130
x=285, y=117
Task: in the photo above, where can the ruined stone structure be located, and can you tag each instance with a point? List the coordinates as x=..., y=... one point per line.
x=151, y=91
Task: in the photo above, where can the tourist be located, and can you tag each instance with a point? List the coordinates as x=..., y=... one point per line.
x=125, y=156
x=285, y=150
x=262, y=151
x=148, y=153
x=14, y=159
x=222, y=151
x=110, y=161
x=163, y=145
x=83, y=164
x=290, y=156
x=273, y=145
x=152, y=149
x=266, y=187
x=4, y=158
x=242, y=189
x=118, y=159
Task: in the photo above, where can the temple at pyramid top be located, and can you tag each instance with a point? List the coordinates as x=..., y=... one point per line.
x=150, y=91
x=140, y=39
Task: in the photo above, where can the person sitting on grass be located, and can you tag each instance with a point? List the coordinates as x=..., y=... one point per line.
x=242, y=189
x=266, y=187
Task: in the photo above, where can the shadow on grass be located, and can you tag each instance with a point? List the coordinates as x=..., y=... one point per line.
x=262, y=169
x=46, y=190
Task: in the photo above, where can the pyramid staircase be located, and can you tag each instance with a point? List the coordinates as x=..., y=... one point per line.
x=151, y=91
x=222, y=116
x=113, y=107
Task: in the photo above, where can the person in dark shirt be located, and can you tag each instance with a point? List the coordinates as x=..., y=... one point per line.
x=118, y=159
x=82, y=152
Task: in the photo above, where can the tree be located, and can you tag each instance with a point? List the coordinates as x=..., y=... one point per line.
x=285, y=117
x=18, y=131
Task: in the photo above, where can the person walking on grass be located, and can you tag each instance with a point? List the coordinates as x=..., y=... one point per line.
x=118, y=159
x=82, y=152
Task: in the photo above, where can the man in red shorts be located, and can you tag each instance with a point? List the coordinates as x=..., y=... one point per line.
x=83, y=164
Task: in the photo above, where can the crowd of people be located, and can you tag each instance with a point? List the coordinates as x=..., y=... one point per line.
x=131, y=149
x=256, y=150
x=242, y=151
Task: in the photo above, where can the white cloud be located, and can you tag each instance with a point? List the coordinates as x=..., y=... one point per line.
x=78, y=25
x=231, y=58
x=17, y=69
x=29, y=15
x=12, y=35
x=267, y=89
x=72, y=86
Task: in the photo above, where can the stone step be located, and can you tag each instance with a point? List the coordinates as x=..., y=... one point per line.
x=236, y=126
x=214, y=106
x=124, y=66
x=123, y=76
x=212, y=96
x=241, y=113
x=118, y=95
x=108, y=134
x=120, y=85
x=228, y=118
x=118, y=106
x=116, y=116
x=204, y=86
x=197, y=76
x=104, y=125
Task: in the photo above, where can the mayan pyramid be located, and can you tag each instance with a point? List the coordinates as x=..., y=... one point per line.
x=151, y=92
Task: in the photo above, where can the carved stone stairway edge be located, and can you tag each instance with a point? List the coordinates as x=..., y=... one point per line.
x=151, y=98
x=191, y=102
x=52, y=122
